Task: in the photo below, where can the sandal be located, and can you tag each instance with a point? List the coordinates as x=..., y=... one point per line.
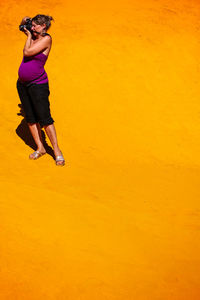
x=36, y=155
x=60, y=158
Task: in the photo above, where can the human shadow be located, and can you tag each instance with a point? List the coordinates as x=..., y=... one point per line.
x=24, y=133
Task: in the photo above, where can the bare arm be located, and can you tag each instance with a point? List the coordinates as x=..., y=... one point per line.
x=38, y=47
x=28, y=41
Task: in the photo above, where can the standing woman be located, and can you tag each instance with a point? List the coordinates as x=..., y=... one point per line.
x=33, y=86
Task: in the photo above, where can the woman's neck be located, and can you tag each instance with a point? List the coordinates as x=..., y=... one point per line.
x=39, y=36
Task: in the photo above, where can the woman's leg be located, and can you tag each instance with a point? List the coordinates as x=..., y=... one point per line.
x=31, y=118
x=51, y=133
x=40, y=100
x=37, y=136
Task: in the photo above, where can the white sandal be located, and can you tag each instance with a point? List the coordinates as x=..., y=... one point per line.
x=36, y=155
x=60, y=158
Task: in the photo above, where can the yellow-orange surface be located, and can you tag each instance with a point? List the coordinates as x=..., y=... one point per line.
x=121, y=220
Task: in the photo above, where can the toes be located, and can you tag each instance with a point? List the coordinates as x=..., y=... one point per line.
x=60, y=163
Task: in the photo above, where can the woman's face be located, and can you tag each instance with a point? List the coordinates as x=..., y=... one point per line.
x=37, y=29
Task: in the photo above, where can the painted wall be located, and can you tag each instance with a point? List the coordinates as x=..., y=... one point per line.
x=121, y=219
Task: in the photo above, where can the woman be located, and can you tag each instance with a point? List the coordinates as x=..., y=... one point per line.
x=33, y=86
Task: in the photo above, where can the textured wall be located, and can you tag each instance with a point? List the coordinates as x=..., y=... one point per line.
x=121, y=220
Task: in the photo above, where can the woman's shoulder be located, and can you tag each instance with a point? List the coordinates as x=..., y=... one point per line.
x=46, y=34
x=47, y=38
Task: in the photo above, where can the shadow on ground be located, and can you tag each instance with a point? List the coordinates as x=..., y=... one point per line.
x=24, y=133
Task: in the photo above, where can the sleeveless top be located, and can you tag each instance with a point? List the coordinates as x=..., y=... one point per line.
x=32, y=70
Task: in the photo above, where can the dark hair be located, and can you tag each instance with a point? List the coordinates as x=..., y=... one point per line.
x=43, y=19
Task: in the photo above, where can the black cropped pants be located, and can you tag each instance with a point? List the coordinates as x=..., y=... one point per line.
x=35, y=102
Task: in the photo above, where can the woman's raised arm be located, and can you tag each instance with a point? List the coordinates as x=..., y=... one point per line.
x=41, y=45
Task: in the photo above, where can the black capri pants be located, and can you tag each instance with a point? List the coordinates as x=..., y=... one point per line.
x=35, y=102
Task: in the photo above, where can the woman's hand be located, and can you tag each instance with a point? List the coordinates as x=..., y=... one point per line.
x=27, y=32
x=23, y=22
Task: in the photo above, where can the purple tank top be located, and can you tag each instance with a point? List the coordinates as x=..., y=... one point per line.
x=32, y=69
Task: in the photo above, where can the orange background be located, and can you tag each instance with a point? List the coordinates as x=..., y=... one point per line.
x=121, y=220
